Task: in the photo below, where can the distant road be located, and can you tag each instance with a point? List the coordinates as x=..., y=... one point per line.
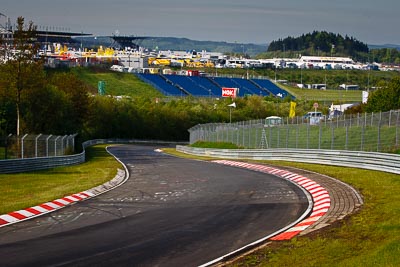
x=171, y=212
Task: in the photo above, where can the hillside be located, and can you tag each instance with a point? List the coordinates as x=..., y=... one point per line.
x=116, y=83
x=128, y=84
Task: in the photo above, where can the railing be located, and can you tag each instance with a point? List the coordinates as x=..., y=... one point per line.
x=40, y=163
x=34, y=164
x=35, y=146
x=356, y=159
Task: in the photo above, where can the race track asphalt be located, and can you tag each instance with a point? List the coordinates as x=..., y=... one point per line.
x=170, y=212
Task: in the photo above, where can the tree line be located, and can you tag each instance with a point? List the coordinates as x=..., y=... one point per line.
x=322, y=43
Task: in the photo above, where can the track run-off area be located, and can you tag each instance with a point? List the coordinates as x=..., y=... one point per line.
x=173, y=211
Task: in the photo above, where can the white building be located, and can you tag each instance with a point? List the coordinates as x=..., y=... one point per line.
x=327, y=62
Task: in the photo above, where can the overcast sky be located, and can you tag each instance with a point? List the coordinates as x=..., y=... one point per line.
x=242, y=21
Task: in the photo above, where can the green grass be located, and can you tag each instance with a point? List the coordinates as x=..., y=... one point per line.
x=117, y=83
x=218, y=145
x=337, y=96
x=369, y=238
x=23, y=190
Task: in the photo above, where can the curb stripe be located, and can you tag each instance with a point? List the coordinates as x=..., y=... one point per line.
x=320, y=196
x=17, y=216
x=33, y=211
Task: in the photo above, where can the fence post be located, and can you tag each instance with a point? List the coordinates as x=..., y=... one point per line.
x=278, y=129
x=55, y=146
x=22, y=145
x=319, y=136
x=249, y=131
x=62, y=145
x=287, y=135
x=256, y=134
x=350, y=120
x=332, y=136
x=397, y=126
x=362, y=136
x=378, y=145
x=47, y=145
x=243, y=133
x=36, y=145
x=372, y=118
x=347, y=137
x=270, y=137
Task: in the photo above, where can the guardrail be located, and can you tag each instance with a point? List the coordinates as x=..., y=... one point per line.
x=356, y=159
x=33, y=164
x=41, y=163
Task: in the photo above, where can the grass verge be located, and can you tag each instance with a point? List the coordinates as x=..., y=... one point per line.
x=23, y=190
x=369, y=238
x=216, y=145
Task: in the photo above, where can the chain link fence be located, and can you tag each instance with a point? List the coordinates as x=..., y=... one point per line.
x=375, y=132
x=36, y=146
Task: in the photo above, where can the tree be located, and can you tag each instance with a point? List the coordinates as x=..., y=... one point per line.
x=386, y=98
x=77, y=96
x=21, y=70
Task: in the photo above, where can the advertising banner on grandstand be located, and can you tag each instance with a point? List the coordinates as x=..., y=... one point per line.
x=229, y=92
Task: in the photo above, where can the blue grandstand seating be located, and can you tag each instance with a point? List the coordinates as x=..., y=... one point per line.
x=207, y=84
x=271, y=87
x=169, y=85
x=247, y=87
x=163, y=86
x=188, y=84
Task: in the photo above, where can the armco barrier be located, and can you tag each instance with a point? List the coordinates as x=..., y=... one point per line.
x=356, y=159
x=33, y=164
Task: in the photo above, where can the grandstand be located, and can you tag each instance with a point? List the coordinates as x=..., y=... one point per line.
x=271, y=87
x=164, y=86
x=180, y=85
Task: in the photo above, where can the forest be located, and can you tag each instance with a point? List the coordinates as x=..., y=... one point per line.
x=322, y=43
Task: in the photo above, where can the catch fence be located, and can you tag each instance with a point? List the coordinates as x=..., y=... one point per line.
x=375, y=132
x=36, y=146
